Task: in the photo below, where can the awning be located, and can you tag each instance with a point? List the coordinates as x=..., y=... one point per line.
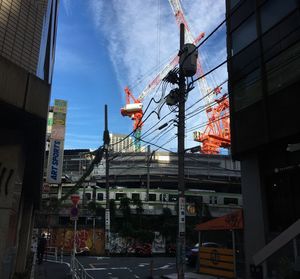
x=232, y=221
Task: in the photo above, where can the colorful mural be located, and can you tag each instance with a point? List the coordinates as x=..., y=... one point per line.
x=86, y=240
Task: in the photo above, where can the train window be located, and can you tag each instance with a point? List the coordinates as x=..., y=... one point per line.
x=152, y=197
x=213, y=200
x=135, y=196
x=88, y=196
x=172, y=198
x=191, y=199
x=120, y=196
x=163, y=197
x=231, y=201
x=100, y=196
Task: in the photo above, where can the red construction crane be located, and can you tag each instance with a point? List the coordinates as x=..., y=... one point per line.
x=134, y=109
x=217, y=132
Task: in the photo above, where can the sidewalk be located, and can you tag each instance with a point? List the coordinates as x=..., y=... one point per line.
x=189, y=275
x=50, y=270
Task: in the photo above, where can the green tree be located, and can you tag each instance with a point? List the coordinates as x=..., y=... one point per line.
x=168, y=225
x=139, y=211
x=125, y=209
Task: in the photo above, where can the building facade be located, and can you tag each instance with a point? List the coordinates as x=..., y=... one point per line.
x=27, y=48
x=263, y=40
x=121, y=143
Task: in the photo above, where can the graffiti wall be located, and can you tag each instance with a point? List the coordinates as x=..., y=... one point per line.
x=120, y=245
x=86, y=240
x=159, y=243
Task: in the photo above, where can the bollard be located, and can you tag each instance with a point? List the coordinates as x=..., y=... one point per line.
x=151, y=270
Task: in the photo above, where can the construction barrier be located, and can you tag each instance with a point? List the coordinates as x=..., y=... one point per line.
x=216, y=262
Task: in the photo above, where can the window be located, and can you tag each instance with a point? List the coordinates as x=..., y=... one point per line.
x=213, y=200
x=247, y=91
x=135, y=196
x=244, y=35
x=120, y=196
x=273, y=11
x=163, y=197
x=152, y=197
x=88, y=196
x=100, y=196
x=233, y=3
x=231, y=201
x=172, y=198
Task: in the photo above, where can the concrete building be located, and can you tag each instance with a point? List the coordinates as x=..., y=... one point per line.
x=264, y=78
x=119, y=144
x=27, y=48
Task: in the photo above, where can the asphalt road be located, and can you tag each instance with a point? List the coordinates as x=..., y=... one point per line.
x=128, y=267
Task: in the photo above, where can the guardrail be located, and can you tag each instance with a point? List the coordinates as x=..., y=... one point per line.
x=78, y=271
x=51, y=251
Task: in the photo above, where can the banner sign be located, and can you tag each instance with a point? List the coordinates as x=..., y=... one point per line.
x=56, y=152
x=55, y=161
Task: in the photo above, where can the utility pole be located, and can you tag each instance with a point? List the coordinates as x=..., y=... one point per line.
x=106, y=140
x=148, y=172
x=180, y=254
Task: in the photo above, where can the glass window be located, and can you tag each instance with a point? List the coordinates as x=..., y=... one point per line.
x=213, y=200
x=120, y=195
x=244, y=35
x=216, y=200
x=231, y=201
x=233, y=3
x=135, y=196
x=247, y=91
x=100, y=196
x=152, y=197
x=274, y=10
x=88, y=196
x=277, y=69
x=172, y=198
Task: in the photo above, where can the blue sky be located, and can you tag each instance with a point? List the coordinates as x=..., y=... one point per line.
x=102, y=46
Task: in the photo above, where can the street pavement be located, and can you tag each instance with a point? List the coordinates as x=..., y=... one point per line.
x=134, y=268
x=116, y=268
x=50, y=270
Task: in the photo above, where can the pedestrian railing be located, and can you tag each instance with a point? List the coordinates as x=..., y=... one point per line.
x=78, y=271
x=51, y=251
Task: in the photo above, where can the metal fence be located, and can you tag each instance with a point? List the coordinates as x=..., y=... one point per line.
x=78, y=271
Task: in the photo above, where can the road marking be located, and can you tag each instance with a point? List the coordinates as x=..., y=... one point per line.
x=106, y=268
x=94, y=265
x=99, y=258
x=167, y=266
x=136, y=276
x=95, y=268
x=143, y=264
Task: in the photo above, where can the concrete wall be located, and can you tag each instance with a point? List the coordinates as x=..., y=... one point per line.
x=11, y=173
x=255, y=219
x=24, y=102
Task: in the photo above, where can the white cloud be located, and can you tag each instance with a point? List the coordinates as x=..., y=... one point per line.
x=67, y=6
x=132, y=29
